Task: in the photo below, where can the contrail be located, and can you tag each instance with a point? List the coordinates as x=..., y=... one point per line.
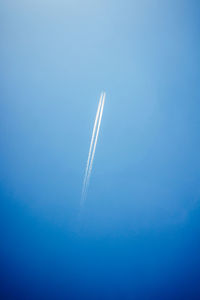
x=93, y=144
x=92, y=147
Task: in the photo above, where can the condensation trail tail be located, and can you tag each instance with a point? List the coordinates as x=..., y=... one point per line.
x=91, y=147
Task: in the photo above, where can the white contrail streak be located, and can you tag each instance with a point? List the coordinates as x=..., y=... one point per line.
x=91, y=147
x=93, y=144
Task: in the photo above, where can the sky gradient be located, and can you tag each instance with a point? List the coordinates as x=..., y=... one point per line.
x=138, y=234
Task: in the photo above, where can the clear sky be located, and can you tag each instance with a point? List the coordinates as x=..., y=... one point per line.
x=138, y=235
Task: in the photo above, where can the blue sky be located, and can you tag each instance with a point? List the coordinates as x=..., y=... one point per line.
x=138, y=237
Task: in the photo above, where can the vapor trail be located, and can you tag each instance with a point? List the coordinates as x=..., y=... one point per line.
x=90, y=149
x=95, y=143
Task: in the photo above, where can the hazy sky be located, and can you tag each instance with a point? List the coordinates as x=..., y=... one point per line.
x=139, y=230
